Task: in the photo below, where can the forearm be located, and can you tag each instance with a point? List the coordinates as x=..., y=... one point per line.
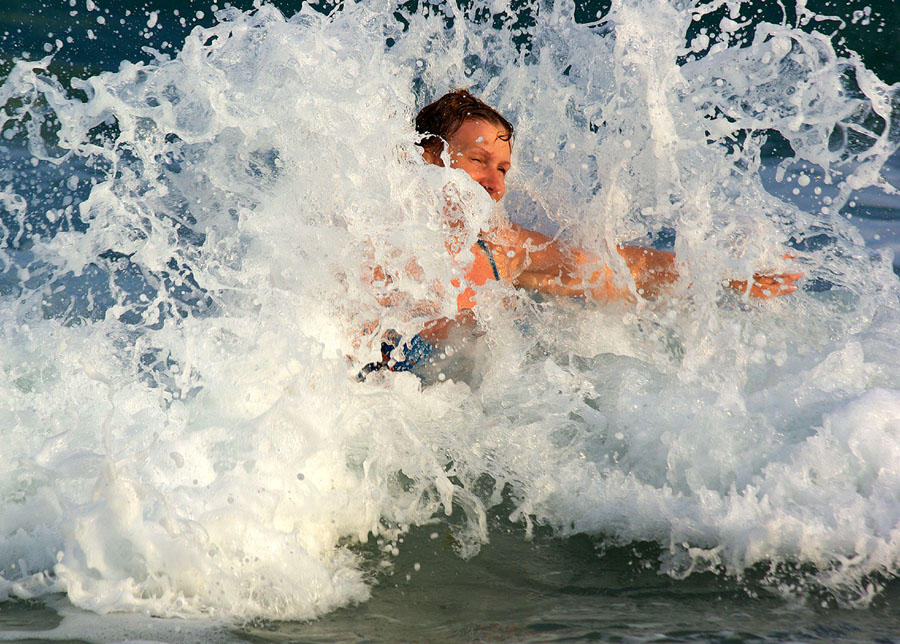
x=652, y=270
x=600, y=286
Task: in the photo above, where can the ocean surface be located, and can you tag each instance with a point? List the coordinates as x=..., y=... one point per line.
x=192, y=197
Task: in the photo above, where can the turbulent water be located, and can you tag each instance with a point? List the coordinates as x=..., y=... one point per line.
x=186, y=245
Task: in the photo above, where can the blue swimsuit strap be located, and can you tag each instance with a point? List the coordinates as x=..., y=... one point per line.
x=487, y=251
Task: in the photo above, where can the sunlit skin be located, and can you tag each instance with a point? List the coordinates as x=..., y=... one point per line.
x=534, y=261
x=483, y=151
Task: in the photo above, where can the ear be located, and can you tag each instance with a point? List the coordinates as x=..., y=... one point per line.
x=432, y=154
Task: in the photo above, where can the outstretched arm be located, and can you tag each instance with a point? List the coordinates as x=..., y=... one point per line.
x=652, y=271
x=534, y=261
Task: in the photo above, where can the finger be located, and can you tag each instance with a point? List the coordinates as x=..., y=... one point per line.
x=780, y=277
x=770, y=289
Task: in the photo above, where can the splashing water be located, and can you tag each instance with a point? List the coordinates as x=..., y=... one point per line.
x=184, y=285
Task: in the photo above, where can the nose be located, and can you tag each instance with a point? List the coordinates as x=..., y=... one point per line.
x=495, y=183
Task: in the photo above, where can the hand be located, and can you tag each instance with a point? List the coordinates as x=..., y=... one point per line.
x=767, y=285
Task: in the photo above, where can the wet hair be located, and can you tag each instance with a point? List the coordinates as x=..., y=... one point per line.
x=440, y=120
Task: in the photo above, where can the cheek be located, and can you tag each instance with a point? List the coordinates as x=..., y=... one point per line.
x=462, y=164
x=469, y=168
